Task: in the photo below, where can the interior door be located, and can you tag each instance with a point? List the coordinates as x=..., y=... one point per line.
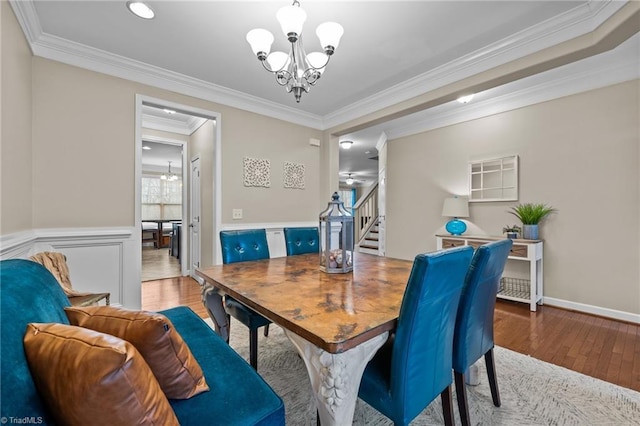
x=194, y=219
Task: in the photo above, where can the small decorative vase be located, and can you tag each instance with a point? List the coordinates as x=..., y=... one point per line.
x=512, y=235
x=530, y=232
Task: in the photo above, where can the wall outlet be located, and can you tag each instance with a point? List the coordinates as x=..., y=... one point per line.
x=237, y=213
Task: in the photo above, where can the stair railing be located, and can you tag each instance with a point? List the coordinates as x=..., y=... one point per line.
x=365, y=212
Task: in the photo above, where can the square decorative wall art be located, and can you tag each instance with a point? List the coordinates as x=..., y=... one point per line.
x=293, y=175
x=257, y=172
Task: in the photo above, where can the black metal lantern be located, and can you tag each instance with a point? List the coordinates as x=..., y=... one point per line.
x=336, y=238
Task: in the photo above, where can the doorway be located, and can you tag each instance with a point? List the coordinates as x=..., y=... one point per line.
x=162, y=204
x=202, y=137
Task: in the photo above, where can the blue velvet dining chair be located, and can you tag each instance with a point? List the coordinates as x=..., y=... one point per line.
x=301, y=240
x=414, y=366
x=473, y=336
x=242, y=246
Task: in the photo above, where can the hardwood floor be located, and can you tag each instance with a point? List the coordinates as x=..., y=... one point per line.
x=598, y=347
x=157, y=264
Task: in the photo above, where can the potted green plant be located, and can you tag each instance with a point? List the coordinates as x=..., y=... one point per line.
x=512, y=231
x=530, y=214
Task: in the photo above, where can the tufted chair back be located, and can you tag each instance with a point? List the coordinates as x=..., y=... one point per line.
x=244, y=245
x=29, y=294
x=301, y=240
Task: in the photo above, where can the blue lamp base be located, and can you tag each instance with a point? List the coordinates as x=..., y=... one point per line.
x=456, y=227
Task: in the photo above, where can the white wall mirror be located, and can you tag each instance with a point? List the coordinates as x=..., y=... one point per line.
x=494, y=179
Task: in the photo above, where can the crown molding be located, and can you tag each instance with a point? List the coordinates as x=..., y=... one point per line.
x=573, y=23
x=599, y=72
x=173, y=126
x=27, y=16
x=382, y=140
x=82, y=56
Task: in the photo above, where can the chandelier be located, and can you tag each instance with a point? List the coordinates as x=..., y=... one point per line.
x=169, y=176
x=296, y=71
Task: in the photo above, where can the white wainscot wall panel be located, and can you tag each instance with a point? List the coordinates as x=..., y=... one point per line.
x=95, y=268
x=99, y=259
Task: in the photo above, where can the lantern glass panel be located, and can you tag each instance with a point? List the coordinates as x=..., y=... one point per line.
x=336, y=238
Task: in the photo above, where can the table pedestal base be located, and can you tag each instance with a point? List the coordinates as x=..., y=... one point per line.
x=335, y=378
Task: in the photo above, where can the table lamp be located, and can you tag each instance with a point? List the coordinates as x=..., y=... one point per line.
x=455, y=207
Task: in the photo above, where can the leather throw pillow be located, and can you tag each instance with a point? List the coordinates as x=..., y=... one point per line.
x=86, y=377
x=154, y=336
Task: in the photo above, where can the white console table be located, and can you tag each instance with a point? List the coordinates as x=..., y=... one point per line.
x=521, y=290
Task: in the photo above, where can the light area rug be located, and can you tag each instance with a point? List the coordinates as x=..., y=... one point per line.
x=533, y=392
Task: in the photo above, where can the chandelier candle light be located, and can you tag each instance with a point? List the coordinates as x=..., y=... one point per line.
x=169, y=176
x=297, y=71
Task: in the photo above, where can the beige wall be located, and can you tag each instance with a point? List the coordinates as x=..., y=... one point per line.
x=579, y=154
x=82, y=116
x=15, y=139
x=202, y=144
x=260, y=137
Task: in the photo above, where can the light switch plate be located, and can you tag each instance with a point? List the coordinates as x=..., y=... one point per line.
x=237, y=213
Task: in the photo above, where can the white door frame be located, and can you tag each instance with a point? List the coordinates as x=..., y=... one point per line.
x=191, y=259
x=217, y=175
x=382, y=194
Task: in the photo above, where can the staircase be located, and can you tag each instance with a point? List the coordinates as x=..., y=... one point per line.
x=369, y=244
x=365, y=213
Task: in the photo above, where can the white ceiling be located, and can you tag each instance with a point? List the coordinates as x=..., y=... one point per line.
x=390, y=51
x=156, y=157
x=385, y=42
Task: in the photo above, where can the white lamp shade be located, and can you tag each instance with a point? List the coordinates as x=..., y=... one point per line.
x=260, y=40
x=277, y=60
x=455, y=207
x=329, y=34
x=291, y=19
x=317, y=60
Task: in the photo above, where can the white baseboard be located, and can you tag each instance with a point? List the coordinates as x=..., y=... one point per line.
x=594, y=310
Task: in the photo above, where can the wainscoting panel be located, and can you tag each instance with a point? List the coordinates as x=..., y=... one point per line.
x=275, y=239
x=91, y=268
x=99, y=259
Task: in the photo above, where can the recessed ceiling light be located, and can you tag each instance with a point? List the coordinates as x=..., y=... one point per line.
x=140, y=9
x=169, y=111
x=346, y=144
x=465, y=99
x=146, y=147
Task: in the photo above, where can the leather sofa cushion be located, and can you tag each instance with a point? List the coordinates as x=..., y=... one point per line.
x=154, y=336
x=87, y=377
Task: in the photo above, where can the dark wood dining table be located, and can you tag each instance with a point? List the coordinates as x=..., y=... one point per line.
x=337, y=322
x=160, y=232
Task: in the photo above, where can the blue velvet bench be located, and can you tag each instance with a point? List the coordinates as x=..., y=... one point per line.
x=29, y=293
